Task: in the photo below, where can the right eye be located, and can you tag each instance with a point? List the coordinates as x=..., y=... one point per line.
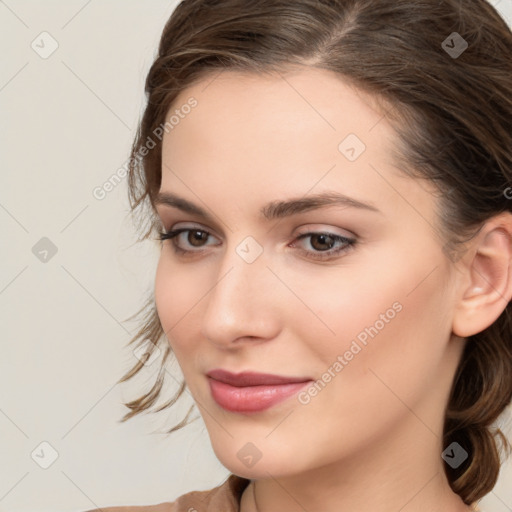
x=195, y=237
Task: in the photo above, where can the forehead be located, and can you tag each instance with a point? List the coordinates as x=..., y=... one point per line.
x=282, y=104
x=283, y=117
x=281, y=135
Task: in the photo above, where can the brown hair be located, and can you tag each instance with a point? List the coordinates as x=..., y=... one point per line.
x=453, y=116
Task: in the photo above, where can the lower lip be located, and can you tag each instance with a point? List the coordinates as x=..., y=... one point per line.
x=252, y=398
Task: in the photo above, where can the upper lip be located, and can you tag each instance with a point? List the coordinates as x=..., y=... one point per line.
x=252, y=378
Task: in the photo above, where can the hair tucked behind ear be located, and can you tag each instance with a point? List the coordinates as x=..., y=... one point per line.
x=453, y=117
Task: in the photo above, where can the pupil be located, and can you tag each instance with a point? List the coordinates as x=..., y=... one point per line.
x=197, y=236
x=323, y=242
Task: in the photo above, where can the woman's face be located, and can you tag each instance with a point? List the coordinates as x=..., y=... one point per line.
x=265, y=285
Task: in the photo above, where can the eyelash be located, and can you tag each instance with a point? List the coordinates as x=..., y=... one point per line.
x=318, y=255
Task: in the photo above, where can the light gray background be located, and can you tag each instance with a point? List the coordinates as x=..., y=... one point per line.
x=67, y=123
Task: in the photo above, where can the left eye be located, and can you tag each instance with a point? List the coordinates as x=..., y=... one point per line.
x=322, y=244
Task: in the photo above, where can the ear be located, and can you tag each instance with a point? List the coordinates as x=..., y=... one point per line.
x=487, y=287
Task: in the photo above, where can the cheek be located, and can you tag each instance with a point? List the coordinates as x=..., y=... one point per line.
x=393, y=320
x=381, y=379
x=177, y=295
x=392, y=351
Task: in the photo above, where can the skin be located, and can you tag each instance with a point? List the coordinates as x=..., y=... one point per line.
x=371, y=439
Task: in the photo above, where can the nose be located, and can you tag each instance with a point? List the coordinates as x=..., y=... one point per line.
x=242, y=305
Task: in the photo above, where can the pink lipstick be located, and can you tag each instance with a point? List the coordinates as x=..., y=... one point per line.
x=252, y=392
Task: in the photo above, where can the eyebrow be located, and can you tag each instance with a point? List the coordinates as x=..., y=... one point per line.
x=274, y=209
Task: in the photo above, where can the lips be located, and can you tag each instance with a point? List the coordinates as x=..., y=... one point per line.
x=253, y=379
x=250, y=391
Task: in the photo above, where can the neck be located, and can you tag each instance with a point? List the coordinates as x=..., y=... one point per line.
x=406, y=473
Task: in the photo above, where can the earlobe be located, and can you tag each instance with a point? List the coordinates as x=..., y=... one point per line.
x=490, y=278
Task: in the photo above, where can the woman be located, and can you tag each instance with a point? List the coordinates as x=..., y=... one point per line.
x=331, y=181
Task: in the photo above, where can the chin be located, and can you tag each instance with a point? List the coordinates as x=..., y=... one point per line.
x=259, y=471
x=250, y=462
